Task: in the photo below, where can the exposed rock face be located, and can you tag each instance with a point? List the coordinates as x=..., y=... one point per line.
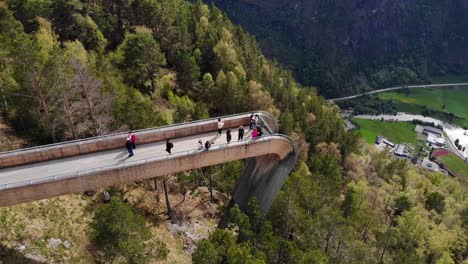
x=54, y=242
x=67, y=244
x=36, y=257
x=340, y=44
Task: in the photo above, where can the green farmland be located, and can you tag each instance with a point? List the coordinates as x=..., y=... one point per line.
x=398, y=132
x=450, y=100
x=455, y=164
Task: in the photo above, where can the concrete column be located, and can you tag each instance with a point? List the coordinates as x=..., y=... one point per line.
x=262, y=178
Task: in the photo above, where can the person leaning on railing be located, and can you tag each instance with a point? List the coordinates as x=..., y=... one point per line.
x=259, y=131
x=207, y=145
x=200, y=144
x=254, y=133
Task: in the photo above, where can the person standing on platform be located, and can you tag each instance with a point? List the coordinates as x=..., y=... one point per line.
x=240, y=135
x=132, y=139
x=252, y=121
x=254, y=134
x=220, y=126
x=207, y=145
x=129, y=147
x=257, y=119
x=228, y=135
x=259, y=131
x=169, y=146
x=200, y=144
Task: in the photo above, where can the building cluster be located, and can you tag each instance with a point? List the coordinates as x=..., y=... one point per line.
x=434, y=136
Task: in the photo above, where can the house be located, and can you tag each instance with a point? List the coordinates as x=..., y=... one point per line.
x=349, y=125
x=432, y=166
x=419, y=129
x=400, y=151
x=427, y=130
x=382, y=140
x=435, y=141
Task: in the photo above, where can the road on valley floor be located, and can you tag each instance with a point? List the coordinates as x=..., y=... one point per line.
x=396, y=88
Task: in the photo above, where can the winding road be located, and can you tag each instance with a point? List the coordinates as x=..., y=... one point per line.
x=396, y=88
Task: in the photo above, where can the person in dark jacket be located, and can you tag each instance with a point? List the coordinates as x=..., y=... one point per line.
x=228, y=135
x=169, y=146
x=132, y=139
x=129, y=147
x=260, y=131
x=207, y=145
x=240, y=135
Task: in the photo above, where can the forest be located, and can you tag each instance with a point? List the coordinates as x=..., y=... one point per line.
x=347, y=47
x=71, y=69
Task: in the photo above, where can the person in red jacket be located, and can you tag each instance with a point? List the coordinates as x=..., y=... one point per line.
x=132, y=139
x=128, y=145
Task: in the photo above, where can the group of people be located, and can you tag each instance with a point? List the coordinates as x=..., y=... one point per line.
x=254, y=127
x=130, y=145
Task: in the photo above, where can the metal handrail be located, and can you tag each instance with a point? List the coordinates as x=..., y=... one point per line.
x=132, y=163
x=271, y=117
x=80, y=141
x=291, y=141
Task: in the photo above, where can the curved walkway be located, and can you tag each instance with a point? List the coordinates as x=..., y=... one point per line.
x=93, y=163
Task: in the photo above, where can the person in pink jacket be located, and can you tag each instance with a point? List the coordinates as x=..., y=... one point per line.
x=254, y=133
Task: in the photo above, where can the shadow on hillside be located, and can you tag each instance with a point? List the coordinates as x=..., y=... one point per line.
x=8, y=255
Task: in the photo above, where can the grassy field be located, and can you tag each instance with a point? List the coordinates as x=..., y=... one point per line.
x=451, y=100
x=455, y=164
x=398, y=132
x=418, y=109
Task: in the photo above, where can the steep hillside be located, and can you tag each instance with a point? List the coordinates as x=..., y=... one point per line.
x=347, y=46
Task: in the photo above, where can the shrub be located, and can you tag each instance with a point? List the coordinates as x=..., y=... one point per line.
x=120, y=232
x=435, y=201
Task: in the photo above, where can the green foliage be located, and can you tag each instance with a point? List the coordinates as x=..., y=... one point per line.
x=135, y=111
x=119, y=231
x=444, y=99
x=221, y=247
x=134, y=61
x=205, y=88
x=315, y=40
x=89, y=34
x=435, y=201
x=141, y=59
x=188, y=70
x=206, y=253
x=402, y=204
x=287, y=123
